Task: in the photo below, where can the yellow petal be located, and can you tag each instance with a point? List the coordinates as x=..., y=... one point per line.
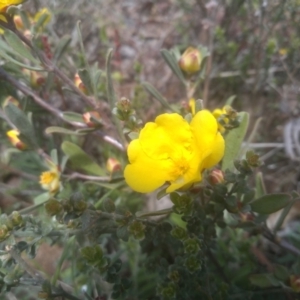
x=6, y=3
x=216, y=154
x=166, y=137
x=210, y=143
x=144, y=174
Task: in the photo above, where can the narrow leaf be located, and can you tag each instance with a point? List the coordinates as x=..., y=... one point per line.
x=62, y=47
x=270, y=203
x=72, y=117
x=156, y=94
x=57, y=129
x=283, y=215
x=173, y=64
x=109, y=83
x=17, y=45
x=81, y=160
x=263, y=280
x=260, y=186
x=233, y=142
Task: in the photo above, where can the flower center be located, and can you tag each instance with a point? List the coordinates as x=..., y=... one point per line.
x=181, y=166
x=47, y=177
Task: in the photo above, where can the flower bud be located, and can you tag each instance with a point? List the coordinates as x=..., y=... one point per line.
x=295, y=283
x=253, y=159
x=193, y=264
x=179, y=233
x=15, y=141
x=124, y=104
x=18, y=22
x=11, y=100
x=16, y=218
x=36, y=79
x=216, y=177
x=191, y=246
x=4, y=232
x=137, y=229
x=92, y=119
x=53, y=207
x=113, y=165
x=79, y=84
x=190, y=60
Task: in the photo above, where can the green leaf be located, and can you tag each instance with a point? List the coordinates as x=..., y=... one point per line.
x=230, y=100
x=270, y=203
x=17, y=45
x=281, y=273
x=81, y=160
x=16, y=62
x=41, y=199
x=283, y=215
x=260, y=185
x=72, y=117
x=157, y=95
x=233, y=142
x=109, y=82
x=173, y=64
x=62, y=130
x=61, y=47
x=20, y=120
x=57, y=129
x=264, y=280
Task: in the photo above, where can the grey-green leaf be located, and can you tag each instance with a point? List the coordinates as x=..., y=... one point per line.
x=109, y=83
x=233, y=142
x=62, y=47
x=17, y=45
x=81, y=160
x=157, y=95
x=270, y=203
x=173, y=64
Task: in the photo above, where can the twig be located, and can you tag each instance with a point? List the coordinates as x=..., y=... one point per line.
x=76, y=175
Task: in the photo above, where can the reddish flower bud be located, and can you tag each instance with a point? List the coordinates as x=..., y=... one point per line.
x=14, y=139
x=80, y=85
x=113, y=165
x=92, y=119
x=216, y=177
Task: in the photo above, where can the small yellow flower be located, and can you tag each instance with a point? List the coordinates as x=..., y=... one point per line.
x=190, y=61
x=50, y=180
x=13, y=136
x=4, y=4
x=171, y=150
x=217, y=113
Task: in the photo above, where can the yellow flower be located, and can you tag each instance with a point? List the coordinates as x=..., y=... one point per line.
x=217, y=113
x=4, y=4
x=50, y=180
x=190, y=61
x=172, y=150
x=13, y=136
